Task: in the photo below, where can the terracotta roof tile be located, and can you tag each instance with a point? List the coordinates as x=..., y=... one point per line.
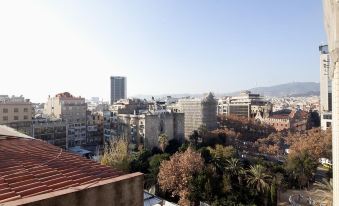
x=30, y=167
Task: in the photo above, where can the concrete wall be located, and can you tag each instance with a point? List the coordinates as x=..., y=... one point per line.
x=168, y=125
x=125, y=190
x=209, y=114
x=152, y=132
x=171, y=124
x=179, y=126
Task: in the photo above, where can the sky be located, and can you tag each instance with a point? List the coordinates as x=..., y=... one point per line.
x=161, y=46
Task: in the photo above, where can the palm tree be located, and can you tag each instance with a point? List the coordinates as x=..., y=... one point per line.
x=258, y=179
x=234, y=169
x=233, y=166
x=163, y=141
x=324, y=191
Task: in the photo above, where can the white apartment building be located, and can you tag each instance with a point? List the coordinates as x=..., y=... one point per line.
x=223, y=106
x=325, y=88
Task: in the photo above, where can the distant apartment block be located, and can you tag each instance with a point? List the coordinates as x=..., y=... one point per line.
x=53, y=132
x=76, y=134
x=95, y=128
x=325, y=88
x=198, y=112
x=15, y=109
x=118, y=88
x=66, y=107
x=129, y=106
x=71, y=110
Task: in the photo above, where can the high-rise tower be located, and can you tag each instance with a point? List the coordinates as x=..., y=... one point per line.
x=118, y=88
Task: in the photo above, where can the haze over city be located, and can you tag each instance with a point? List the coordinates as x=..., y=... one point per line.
x=162, y=47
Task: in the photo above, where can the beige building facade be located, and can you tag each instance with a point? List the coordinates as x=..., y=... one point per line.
x=15, y=109
x=66, y=107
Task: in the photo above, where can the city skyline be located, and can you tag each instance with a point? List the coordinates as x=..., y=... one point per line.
x=162, y=47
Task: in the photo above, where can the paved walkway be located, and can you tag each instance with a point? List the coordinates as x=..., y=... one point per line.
x=284, y=197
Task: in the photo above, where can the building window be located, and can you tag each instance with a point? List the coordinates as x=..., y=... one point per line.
x=327, y=116
x=328, y=124
x=330, y=102
x=16, y=118
x=25, y=117
x=25, y=109
x=5, y=110
x=16, y=109
x=5, y=118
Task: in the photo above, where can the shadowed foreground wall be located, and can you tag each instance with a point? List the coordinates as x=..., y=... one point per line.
x=124, y=190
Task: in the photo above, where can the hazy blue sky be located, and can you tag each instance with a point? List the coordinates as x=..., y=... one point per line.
x=162, y=46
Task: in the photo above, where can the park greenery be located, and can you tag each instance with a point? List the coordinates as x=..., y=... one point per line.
x=240, y=163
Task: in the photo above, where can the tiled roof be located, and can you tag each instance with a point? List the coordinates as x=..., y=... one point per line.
x=279, y=116
x=30, y=167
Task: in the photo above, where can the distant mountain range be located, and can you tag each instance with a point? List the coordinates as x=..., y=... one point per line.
x=294, y=89
x=290, y=89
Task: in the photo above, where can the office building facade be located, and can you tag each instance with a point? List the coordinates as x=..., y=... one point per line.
x=247, y=105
